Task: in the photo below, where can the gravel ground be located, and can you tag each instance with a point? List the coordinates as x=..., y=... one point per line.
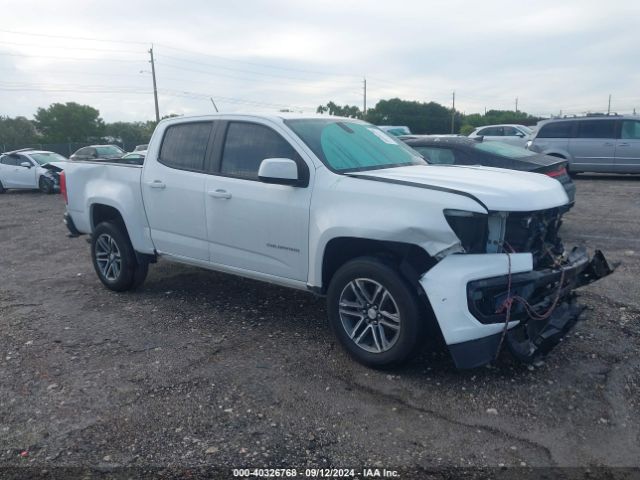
x=200, y=369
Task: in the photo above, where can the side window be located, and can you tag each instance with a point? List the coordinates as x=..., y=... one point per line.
x=556, y=130
x=8, y=160
x=437, y=155
x=20, y=159
x=510, y=131
x=596, y=129
x=184, y=146
x=630, y=130
x=247, y=144
x=82, y=151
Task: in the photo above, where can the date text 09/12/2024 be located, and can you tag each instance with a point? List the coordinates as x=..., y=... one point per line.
x=316, y=473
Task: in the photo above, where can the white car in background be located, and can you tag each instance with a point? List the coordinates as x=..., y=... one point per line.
x=30, y=169
x=517, y=135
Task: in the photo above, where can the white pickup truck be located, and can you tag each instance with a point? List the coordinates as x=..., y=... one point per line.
x=338, y=207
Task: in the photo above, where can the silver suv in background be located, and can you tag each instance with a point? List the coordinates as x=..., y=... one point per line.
x=607, y=143
x=517, y=135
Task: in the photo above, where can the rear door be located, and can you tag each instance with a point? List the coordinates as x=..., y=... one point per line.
x=492, y=133
x=256, y=226
x=173, y=183
x=593, y=148
x=628, y=147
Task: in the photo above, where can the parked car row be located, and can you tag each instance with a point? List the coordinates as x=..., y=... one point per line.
x=600, y=143
x=39, y=169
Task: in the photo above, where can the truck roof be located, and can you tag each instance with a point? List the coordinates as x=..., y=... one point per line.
x=269, y=116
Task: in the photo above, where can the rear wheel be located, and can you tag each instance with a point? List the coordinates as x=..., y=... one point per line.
x=45, y=185
x=374, y=312
x=114, y=259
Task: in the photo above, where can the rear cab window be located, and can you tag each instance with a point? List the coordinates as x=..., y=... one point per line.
x=184, y=146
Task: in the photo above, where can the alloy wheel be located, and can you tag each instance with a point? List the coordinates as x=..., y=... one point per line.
x=370, y=315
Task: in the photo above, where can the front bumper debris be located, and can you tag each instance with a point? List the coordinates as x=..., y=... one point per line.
x=533, y=337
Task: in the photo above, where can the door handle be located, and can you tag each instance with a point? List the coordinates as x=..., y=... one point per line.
x=157, y=184
x=608, y=144
x=219, y=193
x=623, y=144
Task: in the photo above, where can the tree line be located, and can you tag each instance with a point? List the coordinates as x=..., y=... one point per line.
x=73, y=123
x=70, y=123
x=427, y=117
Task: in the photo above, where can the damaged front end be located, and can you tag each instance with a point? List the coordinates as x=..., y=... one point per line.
x=53, y=173
x=542, y=301
x=515, y=282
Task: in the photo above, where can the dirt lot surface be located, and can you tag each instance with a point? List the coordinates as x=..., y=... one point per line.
x=204, y=369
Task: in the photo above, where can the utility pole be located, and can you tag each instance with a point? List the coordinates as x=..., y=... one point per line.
x=453, y=111
x=214, y=104
x=609, y=107
x=155, y=89
x=516, y=104
x=364, y=109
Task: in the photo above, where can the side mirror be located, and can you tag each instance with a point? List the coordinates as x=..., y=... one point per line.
x=25, y=164
x=281, y=171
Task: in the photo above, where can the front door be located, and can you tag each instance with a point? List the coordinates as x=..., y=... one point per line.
x=23, y=177
x=255, y=226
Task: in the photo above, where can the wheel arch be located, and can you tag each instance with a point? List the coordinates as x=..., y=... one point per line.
x=412, y=260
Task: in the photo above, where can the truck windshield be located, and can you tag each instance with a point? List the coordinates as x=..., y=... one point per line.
x=352, y=146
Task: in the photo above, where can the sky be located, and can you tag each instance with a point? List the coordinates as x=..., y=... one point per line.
x=263, y=56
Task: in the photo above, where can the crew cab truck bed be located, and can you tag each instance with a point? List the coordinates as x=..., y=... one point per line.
x=338, y=207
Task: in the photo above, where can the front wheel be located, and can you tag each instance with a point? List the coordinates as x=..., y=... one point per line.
x=374, y=312
x=114, y=259
x=45, y=185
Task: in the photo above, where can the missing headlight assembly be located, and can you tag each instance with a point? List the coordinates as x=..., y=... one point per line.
x=526, y=309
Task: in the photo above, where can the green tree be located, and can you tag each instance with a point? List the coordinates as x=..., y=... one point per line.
x=130, y=133
x=17, y=131
x=418, y=116
x=341, y=111
x=69, y=122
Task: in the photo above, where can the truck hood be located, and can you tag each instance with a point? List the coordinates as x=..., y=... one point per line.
x=498, y=189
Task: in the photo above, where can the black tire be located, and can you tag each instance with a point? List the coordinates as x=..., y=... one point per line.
x=130, y=274
x=409, y=338
x=45, y=185
x=2, y=189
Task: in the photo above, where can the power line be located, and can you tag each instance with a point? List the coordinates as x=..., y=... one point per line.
x=67, y=47
x=48, y=35
x=256, y=64
x=69, y=58
x=253, y=72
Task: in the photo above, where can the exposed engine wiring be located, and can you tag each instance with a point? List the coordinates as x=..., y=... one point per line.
x=507, y=304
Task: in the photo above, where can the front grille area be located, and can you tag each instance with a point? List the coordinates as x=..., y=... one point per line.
x=535, y=233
